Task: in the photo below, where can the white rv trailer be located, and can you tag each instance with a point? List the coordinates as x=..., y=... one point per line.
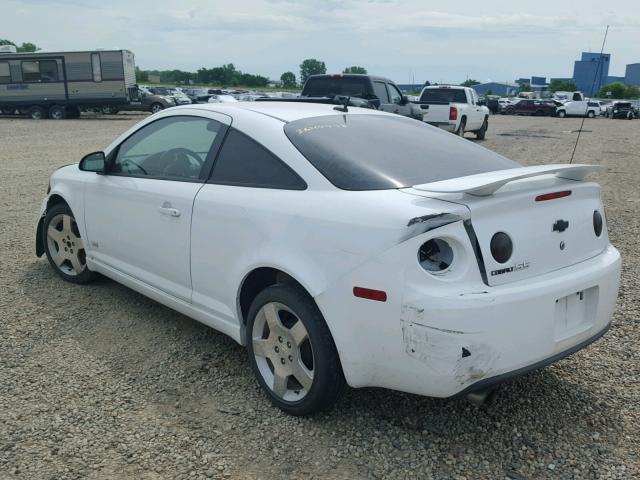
x=60, y=84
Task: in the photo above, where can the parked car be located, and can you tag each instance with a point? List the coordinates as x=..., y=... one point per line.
x=623, y=110
x=179, y=97
x=356, y=247
x=197, y=95
x=580, y=108
x=526, y=106
x=146, y=102
x=222, y=99
x=382, y=93
x=455, y=109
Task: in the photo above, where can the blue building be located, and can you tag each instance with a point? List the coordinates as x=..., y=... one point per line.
x=591, y=72
x=496, y=88
x=538, y=80
x=632, y=74
x=614, y=79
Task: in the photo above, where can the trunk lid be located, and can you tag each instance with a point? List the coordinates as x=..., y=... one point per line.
x=547, y=235
x=434, y=113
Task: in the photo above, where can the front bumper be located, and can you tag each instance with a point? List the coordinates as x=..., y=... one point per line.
x=442, y=338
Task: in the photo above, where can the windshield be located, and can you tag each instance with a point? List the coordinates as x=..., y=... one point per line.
x=377, y=152
x=443, y=95
x=331, y=86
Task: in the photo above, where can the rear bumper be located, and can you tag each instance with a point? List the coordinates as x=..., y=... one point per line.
x=442, y=338
x=449, y=127
x=488, y=383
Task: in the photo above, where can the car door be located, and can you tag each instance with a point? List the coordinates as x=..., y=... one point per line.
x=475, y=116
x=395, y=100
x=380, y=91
x=138, y=214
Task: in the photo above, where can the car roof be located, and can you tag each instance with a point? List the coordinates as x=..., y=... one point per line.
x=350, y=75
x=283, y=111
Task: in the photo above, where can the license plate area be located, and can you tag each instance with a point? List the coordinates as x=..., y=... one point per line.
x=575, y=313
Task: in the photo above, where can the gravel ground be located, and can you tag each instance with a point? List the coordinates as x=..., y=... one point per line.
x=99, y=382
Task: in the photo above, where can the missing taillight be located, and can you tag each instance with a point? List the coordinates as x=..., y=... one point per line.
x=553, y=195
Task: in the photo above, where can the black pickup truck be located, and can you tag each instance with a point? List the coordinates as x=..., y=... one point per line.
x=381, y=93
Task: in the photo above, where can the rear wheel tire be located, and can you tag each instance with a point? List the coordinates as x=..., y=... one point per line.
x=480, y=134
x=562, y=114
x=64, y=246
x=109, y=110
x=590, y=114
x=57, y=112
x=292, y=352
x=156, y=107
x=36, y=112
x=461, y=127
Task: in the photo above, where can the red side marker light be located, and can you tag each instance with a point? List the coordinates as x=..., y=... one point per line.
x=551, y=196
x=369, y=294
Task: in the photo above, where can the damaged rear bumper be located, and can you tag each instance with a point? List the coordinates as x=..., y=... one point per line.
x=441, y=338
x=491, y=382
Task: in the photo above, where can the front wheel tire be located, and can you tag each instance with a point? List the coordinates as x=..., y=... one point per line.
x=292, y=352
x=64, y=246
x=562, y=114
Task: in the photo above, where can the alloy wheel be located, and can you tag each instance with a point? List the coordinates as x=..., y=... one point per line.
x=283, y=352
x=65, y=245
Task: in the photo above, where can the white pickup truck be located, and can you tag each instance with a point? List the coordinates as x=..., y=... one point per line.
x=455, y=109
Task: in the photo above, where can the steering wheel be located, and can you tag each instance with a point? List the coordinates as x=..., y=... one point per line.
x=126, y=161
x=181, y=162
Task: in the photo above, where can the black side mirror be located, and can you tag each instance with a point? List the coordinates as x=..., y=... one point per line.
x=404, y=100
x=94, y=162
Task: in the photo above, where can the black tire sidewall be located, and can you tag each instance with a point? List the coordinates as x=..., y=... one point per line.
x=328, y=382
x=87, y=275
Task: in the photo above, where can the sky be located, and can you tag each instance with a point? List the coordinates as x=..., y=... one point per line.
x=405, y=40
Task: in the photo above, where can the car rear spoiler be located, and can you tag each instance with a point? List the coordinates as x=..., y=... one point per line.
x=487, y=183
x=335, y=100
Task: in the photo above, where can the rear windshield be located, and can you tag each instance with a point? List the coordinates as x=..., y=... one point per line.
x=443, y=95
x=330, y=86
x=377, y=152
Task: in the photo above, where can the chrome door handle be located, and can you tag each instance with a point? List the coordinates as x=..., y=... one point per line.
x=167, y=210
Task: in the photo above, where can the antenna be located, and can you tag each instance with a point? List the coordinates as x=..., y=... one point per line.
x=595, y=77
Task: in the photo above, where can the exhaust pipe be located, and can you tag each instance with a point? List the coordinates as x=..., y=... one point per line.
x=482, y=398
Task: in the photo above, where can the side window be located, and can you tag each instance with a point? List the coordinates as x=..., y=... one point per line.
x=394, y=94
x=96, y=67
x=40, y=71
x=244, y=162
x=5, y=72
x=380, y=91
x=30, y=72
x=173, y=148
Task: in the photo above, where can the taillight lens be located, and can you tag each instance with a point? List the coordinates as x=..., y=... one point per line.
x=453, y=113
x=501, y=247
x=597, y=223
x=435, y=255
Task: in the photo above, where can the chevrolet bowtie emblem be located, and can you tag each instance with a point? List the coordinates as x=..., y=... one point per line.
x=560, y=225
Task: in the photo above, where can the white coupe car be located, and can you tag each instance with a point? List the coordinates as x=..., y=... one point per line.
x=342, y=247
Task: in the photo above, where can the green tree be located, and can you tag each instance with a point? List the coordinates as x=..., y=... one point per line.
x=489, y=92
x=470, y=82
x=525, y=87
x=562, y=86
x=288, y=80
x=355, y=69
x=311, y=66
x=619, y=90
x=25, y=47
x=427, y=83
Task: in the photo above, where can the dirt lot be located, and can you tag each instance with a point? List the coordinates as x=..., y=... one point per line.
x=99, y=382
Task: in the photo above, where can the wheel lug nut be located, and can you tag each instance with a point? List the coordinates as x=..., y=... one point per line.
x=276, y=349
x=282, y=360
x=280, y=339
x=291, y=358
x=288, y=344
